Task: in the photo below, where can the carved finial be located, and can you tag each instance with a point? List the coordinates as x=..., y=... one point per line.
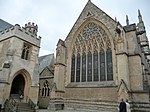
x=115, y=19
x=89, y=0
x=139, y=13
x=139, y=16
x=127, y=20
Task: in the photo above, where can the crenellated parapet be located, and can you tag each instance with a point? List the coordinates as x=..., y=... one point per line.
x=27, y=33
x=32, y=28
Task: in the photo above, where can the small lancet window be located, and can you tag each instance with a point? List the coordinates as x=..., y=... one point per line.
x=45, y=89
x=26, y=51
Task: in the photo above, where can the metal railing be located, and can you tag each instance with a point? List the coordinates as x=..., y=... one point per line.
x=10, y=105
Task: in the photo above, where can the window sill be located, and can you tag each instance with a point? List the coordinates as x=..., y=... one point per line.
x=102, y=84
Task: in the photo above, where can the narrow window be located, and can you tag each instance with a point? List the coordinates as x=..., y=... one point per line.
x=48, y=91
x=84, y=67
x=95, y=66
x=78, y=69
x=25, y=52
x=73, y=68
x=42, y=91
x=102, y=66
x=109, y=64
x=45, y=89
x=89, y=72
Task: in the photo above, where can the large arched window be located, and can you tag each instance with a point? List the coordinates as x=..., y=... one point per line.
x=92, y=55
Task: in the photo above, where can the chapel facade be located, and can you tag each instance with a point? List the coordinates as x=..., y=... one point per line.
x=99, y=63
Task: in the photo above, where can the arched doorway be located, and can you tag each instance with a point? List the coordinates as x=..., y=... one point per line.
x=18, y=85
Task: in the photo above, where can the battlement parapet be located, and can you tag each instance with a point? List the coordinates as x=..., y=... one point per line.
x=31, y=27
x=21, y=32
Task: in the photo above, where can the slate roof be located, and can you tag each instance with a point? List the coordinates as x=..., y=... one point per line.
x=45, y=61
x=4, y=25
x=131, y=27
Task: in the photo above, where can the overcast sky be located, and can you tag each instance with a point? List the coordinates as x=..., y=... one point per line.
x=55, y=18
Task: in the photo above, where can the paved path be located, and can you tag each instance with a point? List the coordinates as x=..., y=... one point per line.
x=68, y=111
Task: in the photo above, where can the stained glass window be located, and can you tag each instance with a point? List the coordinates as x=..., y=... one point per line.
x=84, y=67
x=102, y=66
x=89, y=72
x=78, y=69
x=95, y=66
x=109, y=64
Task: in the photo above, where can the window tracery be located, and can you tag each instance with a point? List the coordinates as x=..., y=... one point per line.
x=26, y=51
x=45, y=89
x=93, y=59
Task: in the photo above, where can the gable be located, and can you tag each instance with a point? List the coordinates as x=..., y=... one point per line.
x=46, y=60
x=47, y=72
x=123, y=90
x=92, y=12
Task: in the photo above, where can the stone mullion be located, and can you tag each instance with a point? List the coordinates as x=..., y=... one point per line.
x=105, y=64
x=92, y=66
x=98, y=65
x=81, y=68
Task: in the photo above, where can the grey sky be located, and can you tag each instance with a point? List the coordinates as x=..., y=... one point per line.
x=55, y=18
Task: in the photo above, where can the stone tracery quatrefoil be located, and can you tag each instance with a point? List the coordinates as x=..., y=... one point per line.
x=88, y=33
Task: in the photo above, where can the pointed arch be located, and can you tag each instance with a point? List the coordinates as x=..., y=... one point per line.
x=94, y=43
x=97, y=26
x=24, y=73
x=26, y=77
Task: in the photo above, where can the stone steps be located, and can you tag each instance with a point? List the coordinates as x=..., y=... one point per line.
x=23, y=107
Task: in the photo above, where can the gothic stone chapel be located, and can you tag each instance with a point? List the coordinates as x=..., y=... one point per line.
x=99, y=63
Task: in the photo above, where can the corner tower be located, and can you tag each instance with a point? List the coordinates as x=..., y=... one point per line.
x=19, y=48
